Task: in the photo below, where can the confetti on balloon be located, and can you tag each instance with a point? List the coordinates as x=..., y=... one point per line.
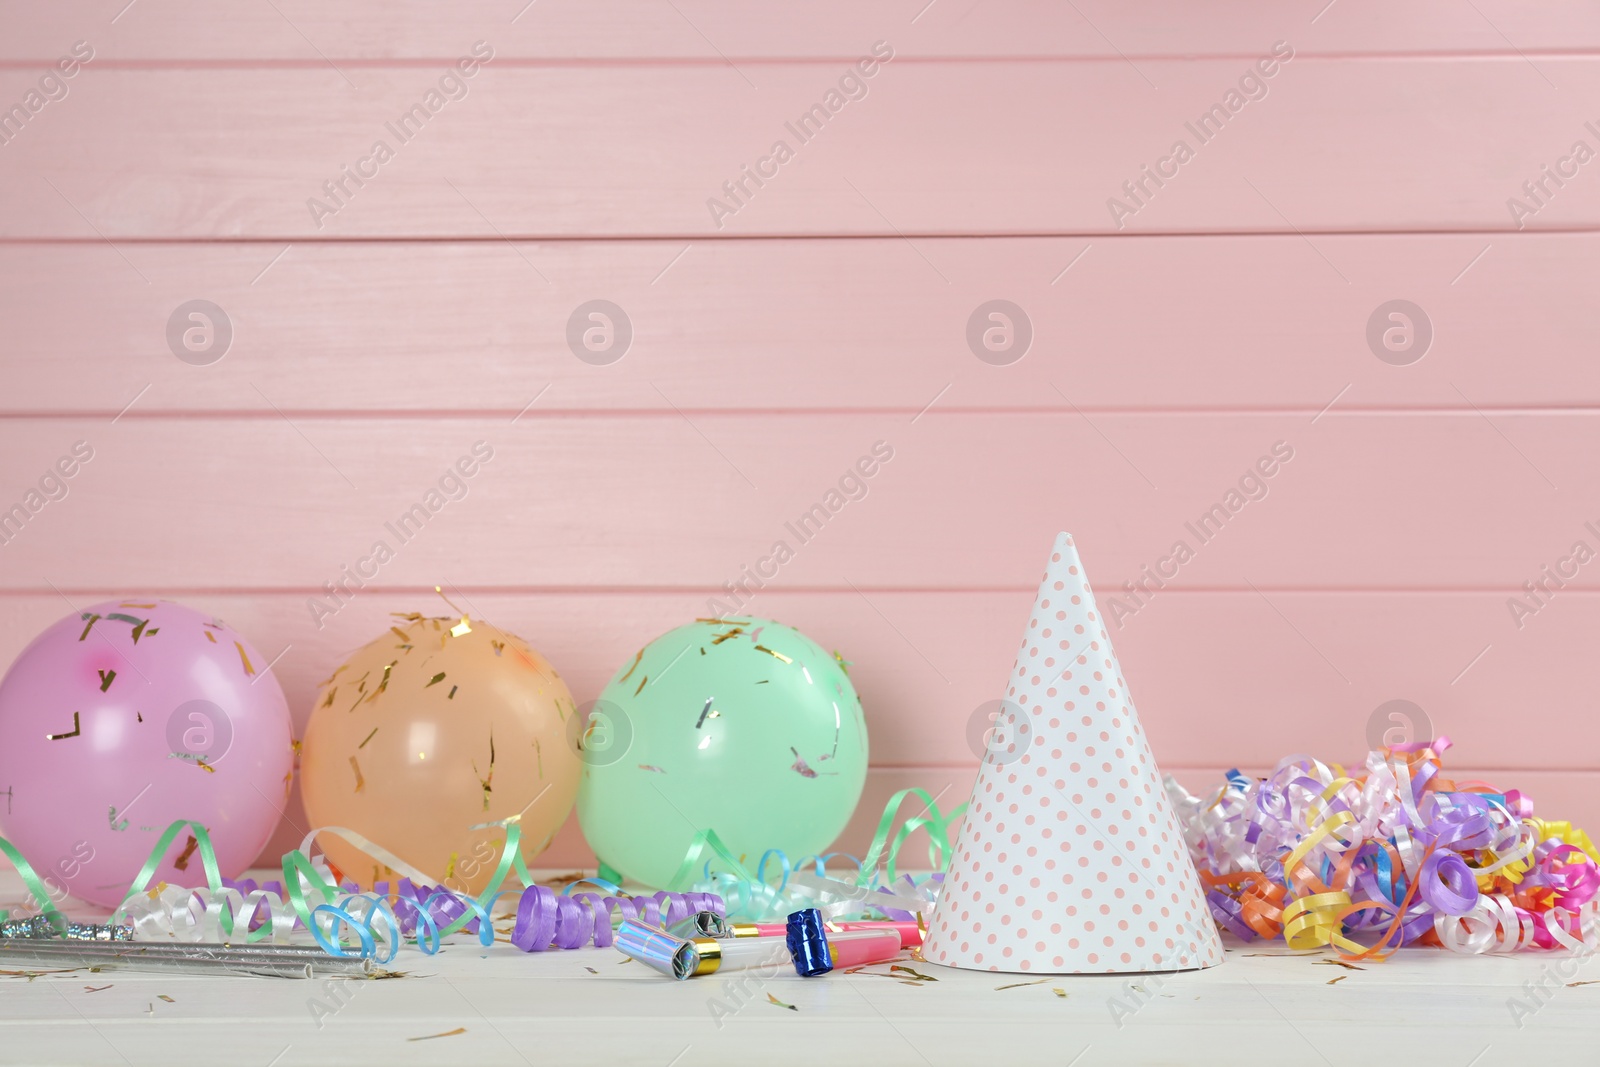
x=1387, y=855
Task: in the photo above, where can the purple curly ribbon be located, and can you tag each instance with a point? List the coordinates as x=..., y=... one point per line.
x=547, y=920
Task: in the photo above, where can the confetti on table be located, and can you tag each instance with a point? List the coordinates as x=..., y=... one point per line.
x=163, y=996
x=917, y=975
x=447, y=1033
x=1339, y=963
x=94, y=988
x=1019, y=985
x=1592, y=981
x=591, y=970
x=1058, y=991
x=1336, y=981
x=77, y=729
x=774, y=1000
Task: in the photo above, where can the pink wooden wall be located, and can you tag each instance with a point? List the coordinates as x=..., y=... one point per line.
x=1173, y=345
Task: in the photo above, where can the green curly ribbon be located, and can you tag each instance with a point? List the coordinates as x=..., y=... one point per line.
x=936, y=823
x=706, y=847
x=297, y=866
x=35, y=885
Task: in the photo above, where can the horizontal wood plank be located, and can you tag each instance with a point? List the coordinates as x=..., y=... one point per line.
x=1411, y=144
x=672, y=500
x=708, y=30
x=1166, y=322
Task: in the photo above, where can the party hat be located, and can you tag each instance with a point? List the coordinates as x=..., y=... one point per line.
x=1069, y=859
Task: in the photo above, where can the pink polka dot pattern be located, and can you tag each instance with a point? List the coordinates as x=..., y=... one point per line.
x=1070, y=860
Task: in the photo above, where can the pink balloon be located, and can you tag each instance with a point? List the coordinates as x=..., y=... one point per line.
x=116, y=721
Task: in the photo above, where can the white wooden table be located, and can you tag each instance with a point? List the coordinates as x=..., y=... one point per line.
x=588, y=1005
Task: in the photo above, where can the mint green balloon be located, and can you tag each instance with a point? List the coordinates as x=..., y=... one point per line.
x=742, y=726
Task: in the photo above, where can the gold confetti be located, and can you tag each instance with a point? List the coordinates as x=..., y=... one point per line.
x=591, y=970
x=361, y=783
x=642, y=682
x=200, y=762
x=244, y=659
x=94, y=988
x=447, y=1033
x=329, y=702
x=735, y=632
x=92, y=619
x=914, y=974
x=1340, y=963
x=125, y=604
x=401, y=634
x=363, y=744
x=1336, y=981
x=499, y=646
x=452, y=694
x=637, y=656
x=774, y=655
x=77, y=729
x=1574, y=985
x=106, y=678
x=213, y=640
x=774, y=1000
x=329, y=679
x=1019, y=985
x=461, y=629
x=435, y=680
x=1058, y=991
x=487, y=783
x=182, y=862
x=450, y=868
x=844, y=664
x=163, y=996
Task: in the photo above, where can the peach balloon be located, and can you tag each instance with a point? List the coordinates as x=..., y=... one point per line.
x=437, y=727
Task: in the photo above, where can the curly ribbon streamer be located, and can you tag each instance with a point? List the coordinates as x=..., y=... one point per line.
x=344, y=921
x=34, y=884
x=1393, y=854
x=751, y=895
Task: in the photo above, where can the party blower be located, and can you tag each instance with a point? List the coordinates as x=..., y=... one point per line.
x=712, y=924
x=806, y=945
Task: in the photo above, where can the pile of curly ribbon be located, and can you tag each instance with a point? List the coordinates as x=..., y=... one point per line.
x=1397, y=854
x=750, y=895
x=345, y=921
